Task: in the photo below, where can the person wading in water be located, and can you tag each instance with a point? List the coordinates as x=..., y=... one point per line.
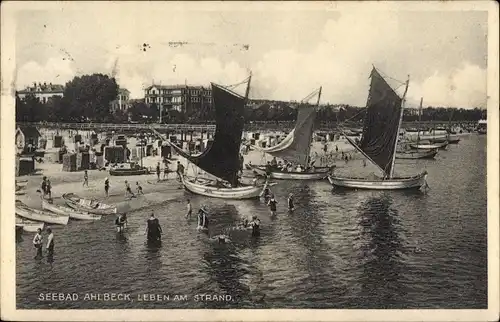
x=153, y=229
x=255, y=224
x=50, y=243
x=189, y=210
x=203, y=218
x=291, y=203
x=272, y=205
x=37, y=242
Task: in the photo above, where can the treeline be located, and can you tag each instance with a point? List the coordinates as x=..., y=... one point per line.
x=88, y=99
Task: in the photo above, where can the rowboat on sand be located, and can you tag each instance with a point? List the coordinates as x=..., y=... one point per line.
x=72, y=213
x=296, y=148
x=384, y=114
x=39, y=215
x=88, y=205
x=222, y=159
x=128, y=172
x=28, y=225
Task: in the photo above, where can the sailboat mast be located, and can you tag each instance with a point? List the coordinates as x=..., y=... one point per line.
x=399, y=126
x=310, y=141
x=419, y=119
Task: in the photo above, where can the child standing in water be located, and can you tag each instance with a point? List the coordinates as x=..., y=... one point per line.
x=37, y=242
x=189, y=210
x=272, y=205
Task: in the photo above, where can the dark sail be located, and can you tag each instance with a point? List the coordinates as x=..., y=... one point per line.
x=381, y=126
x=221, y=159
x=295, y=147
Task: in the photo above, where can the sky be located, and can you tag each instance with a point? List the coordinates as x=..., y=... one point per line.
x=289, y=52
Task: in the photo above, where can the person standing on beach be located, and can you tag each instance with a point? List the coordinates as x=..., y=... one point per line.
x=139, y=188
x=37, y=242
x=85, y=178
x=106, y=186
x=180, y=170
x=158, y=171
x=49, y=189
x=128, y=191
x=166, y=170
x=44, y=186
x=189, y=210
x=50, y=243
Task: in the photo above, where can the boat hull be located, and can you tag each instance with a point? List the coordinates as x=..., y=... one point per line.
x=61, y=210
x=43, y=216
x=30, y=226
x=411, y=155
x=319, y=174
x=128, y=172
x=245, y=192
x=429, y=146
x=85, y=205
x=414, y=182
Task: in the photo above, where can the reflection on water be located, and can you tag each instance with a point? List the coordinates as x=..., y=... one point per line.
x=381, y=252
x=338, y=249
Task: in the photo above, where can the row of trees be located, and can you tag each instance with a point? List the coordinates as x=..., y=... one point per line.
x=88, y=98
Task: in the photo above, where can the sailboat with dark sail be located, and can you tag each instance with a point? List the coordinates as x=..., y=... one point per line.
x=295, y=149
x=384, y=115
x=221, y=159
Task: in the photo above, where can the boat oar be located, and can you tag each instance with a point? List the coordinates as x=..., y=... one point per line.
x=263, y=189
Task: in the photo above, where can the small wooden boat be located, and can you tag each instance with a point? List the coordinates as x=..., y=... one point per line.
x=318, y=174
x=222, y=159
x=438, y=140
x=384, y=115
x=34, y=214
x=210, y=188
x=379, y=183
x=21, y=183
x=417, y=154
x=89, y=205
x=429, y=146
x=128, y=172
x=72, y=213
x=27, y=225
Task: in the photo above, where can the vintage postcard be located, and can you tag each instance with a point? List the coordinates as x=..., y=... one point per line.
x=249, y=161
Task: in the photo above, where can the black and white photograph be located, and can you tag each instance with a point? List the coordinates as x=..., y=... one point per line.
x=249, y=155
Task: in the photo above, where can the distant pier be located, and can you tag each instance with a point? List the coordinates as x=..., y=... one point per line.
x=210, y=128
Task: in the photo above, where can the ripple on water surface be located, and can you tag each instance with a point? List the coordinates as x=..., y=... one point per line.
x=338, y=249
